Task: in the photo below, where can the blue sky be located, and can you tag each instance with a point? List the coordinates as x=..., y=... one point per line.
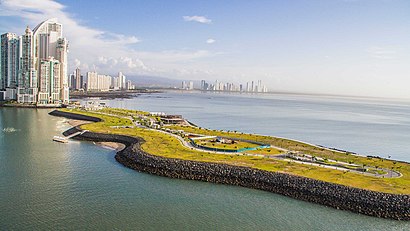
x=354, y=47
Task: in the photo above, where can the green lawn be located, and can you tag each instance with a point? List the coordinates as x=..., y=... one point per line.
x=161, y=144
x=235, y=146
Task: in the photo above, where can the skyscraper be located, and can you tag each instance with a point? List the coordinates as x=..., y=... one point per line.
x=49, y=42
x=34, y=65
x=27, y=85
x=77, y=77
x=121, y=80
x=49, y=81
x=10, y=59
x=61, y=55
x=92, y=81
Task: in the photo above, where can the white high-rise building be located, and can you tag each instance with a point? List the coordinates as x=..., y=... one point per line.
x=10, y=59
x=96, y=82
x=104, y=82
x=27, y=84
x=49, y=42
x=49, y=81
x=92, y=80
x=121, y=81
x=130, y=86
x=77, y=79
x=115, y=83
x=61, y=55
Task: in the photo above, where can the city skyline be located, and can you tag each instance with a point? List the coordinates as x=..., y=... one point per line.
x=328, y=47
x=34, y=65
x=93, y=81
x=250, y=86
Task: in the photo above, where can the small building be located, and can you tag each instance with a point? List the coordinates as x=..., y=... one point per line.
x=172, y=119
x=94, y=105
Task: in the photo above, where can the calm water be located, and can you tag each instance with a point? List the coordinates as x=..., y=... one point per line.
x=77, y=186
x=367, y=126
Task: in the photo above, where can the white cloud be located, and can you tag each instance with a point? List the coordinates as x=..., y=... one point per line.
x=195, y=18
x=210, y=41
x=382, y=52
x=77, y=62
x=172, y=56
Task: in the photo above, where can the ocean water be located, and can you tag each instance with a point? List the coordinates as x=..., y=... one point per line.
x=46, y=185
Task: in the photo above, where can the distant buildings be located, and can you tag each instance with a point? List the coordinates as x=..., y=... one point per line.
x=231, y=87
x=187, y=85
x=33, y=66
x=96, y=82
x=77, y=80
x=100, y=82
x=121, y=81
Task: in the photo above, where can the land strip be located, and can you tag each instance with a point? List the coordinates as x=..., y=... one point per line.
x=393, y=206
x=163, y=144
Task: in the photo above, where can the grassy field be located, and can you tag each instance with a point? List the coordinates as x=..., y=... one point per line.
x=162, y=144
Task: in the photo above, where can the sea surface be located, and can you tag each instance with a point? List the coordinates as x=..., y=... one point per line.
x=46, y=185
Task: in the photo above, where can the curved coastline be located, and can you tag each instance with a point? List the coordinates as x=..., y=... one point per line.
x=378, y=204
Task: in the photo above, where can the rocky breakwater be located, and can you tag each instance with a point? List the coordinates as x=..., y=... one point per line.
x=74, y=116
x=385, y=205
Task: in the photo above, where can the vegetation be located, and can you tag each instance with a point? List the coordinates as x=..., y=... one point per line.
x=162, y=144
x=236, y=145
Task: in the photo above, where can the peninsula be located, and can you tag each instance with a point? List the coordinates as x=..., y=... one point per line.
x=168, y=145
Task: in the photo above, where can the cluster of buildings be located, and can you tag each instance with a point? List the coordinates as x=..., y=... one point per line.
x=220, y=86
x=33, y=67
x=187, y=85
x=99, y=82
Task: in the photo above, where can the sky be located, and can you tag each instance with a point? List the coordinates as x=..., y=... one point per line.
x=347, y=47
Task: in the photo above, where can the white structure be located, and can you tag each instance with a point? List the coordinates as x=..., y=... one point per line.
x=115, y=83
x=231, y=87
x=96, y=82
x=92, y=80
x=49, y=81
x=10, y=59
x=49, y=42
x=130, y=85
x=27, y=87
x=187, y=85
x=121, y=81
x=77, y=79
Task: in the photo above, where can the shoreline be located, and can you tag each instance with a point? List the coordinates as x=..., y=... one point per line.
x=32, y=106
x=372, y=203
x=75, y=123
x=105, y=95
x=115, y=146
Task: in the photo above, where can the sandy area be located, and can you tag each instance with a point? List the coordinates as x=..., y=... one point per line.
x=75, y=123
x=112, y=145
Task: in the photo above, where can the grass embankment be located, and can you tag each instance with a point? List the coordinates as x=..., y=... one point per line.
x=161, y=144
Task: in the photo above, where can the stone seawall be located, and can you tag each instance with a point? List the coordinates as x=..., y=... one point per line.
x=74, y=116
x=366, y=202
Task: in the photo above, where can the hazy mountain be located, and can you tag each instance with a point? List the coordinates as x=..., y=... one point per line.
x=154, y=81
x=157, y=81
